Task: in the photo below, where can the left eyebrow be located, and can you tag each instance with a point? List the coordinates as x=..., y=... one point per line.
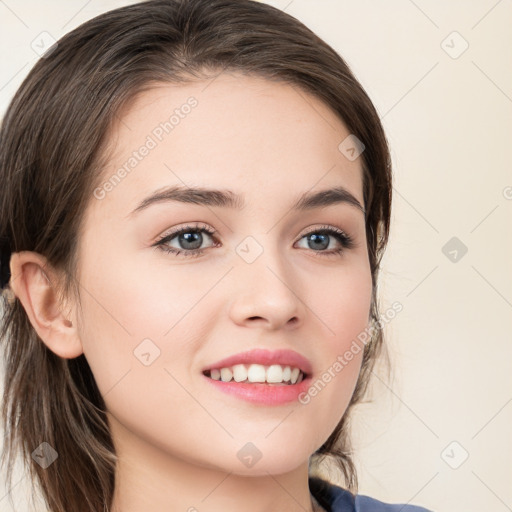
x=229, y=199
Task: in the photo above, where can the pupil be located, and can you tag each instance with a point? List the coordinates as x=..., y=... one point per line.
x=192, y=237
x=315, y=238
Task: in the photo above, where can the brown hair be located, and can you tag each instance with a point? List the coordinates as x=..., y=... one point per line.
x=52, y=142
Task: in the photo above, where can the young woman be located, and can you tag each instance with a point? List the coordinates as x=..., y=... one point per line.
x=196, y=199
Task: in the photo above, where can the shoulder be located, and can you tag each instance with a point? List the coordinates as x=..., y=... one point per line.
x=336, y=499
x=367, y=504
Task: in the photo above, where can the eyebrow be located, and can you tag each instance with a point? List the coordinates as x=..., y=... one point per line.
x=229, y=199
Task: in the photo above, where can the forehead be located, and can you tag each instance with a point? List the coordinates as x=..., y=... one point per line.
x=263, y=139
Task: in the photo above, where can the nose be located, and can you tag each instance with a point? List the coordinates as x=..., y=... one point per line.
x=266, y=294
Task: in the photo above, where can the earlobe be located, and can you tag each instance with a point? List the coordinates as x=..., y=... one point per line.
x=34, y=282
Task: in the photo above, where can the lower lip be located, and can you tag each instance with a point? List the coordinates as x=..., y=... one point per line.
x=261, y=393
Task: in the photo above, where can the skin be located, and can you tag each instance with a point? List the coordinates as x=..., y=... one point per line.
x=176, y=436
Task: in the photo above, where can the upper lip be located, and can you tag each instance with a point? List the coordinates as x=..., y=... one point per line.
x=267, y=358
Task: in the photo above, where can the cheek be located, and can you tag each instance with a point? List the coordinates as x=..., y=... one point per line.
x=343, y=311
x=134, y=320
x=133, y=299
x=343, y=305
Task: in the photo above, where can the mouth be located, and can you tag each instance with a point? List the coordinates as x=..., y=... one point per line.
x=256, y=374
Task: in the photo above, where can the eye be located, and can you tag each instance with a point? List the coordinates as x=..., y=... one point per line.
x=188, y=238
x=319, y=239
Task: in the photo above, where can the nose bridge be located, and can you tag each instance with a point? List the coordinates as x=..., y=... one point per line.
x=265, y=286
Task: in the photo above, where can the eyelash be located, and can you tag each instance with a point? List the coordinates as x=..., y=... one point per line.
x=346, y=241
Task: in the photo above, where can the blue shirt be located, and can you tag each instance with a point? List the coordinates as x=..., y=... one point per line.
x=336, y=499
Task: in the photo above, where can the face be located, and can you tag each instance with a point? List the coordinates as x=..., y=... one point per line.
x=158, y=308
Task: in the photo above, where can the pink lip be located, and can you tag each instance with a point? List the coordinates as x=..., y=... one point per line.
x=267, y=358
x=263, y=394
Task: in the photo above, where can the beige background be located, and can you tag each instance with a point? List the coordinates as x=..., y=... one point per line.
x=447, y=114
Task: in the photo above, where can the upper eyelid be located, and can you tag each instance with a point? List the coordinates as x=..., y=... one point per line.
x=187, y=227
x=213, y=234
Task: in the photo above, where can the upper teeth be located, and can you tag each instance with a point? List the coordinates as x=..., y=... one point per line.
x=257, y=373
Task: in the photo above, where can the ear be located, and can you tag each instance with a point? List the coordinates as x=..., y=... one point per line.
x=34, y=284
